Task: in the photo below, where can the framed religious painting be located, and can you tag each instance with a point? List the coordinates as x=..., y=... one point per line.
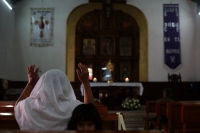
x=42, y=22
x=107, y=45
x=89, y=46
x=125, y=46
x=125, y=70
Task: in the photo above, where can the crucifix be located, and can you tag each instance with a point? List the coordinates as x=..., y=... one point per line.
x=41, y=24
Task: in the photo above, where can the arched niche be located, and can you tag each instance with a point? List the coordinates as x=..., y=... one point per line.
x=76, y=14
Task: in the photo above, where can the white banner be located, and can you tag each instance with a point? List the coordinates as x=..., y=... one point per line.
x=42, y=26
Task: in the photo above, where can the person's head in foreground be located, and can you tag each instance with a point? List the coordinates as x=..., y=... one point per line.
x=85, y=117
x=167, y=92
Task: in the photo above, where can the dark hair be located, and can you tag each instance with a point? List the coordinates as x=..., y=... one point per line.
x=167, y=92
x=85, y=112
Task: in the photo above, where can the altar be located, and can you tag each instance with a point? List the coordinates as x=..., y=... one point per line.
x=112, y=94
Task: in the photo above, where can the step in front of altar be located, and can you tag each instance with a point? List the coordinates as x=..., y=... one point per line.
x=134, y=119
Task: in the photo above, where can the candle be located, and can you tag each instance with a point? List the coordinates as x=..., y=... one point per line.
x=90, y=77
x=90, y=73
x=94, y=79
x=126, y=80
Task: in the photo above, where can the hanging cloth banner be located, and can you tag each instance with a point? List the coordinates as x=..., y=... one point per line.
x=172, y=36
x=42, y=27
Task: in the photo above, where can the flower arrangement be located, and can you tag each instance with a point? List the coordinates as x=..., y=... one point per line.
x=131, y=103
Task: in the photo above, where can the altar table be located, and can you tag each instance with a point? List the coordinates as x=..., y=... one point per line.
x=118, y=84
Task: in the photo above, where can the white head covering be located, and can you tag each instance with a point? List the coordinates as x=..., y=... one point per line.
x=50, y=104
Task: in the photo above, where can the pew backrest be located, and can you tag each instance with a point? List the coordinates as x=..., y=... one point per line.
x=109, y=121
x=188, y=102
x=174, y=111
x=150, y=107
x=102, y=109
x=161, y=109
x=161, y=112
x=7, y=106
x=190, y=113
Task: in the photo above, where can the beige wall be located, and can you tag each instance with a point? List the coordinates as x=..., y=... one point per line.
x=17, y=54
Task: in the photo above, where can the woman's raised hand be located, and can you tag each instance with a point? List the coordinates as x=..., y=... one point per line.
x=83, y=73
x=33, y=76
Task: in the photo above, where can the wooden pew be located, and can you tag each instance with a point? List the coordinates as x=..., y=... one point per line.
x=190, y=115
x=7, y=121
x=102, y=109
x=7, y=106
x=7, y=118
x=174, y=116
x=161, y=110
x=150, y=108
x=173, y=112
x=103, y=131
x=109, y=121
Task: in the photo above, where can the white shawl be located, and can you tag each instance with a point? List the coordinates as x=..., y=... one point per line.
x=50, y=104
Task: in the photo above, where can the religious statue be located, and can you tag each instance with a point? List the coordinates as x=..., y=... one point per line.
x=107, y=72
x=110, y=66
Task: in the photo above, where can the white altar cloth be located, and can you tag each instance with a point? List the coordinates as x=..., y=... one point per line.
x=119, y=84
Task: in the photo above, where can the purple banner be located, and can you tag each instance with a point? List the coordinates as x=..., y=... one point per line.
x=171, y=35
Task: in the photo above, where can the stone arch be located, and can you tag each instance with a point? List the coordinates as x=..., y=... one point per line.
x=76, y=14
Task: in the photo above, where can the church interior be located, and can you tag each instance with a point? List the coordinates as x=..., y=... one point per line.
x=133, y=50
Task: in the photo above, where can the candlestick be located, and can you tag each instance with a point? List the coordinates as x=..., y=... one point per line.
x=110, y=81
